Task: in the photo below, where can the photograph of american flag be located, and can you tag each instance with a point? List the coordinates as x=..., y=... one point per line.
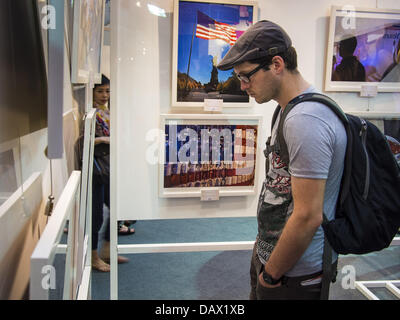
x=205, y=33
x=209, y=29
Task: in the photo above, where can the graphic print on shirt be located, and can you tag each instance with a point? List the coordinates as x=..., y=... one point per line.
x=274, y=205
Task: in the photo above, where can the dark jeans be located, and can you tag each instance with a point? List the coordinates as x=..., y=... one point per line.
x=291, y=288
x=100, y=196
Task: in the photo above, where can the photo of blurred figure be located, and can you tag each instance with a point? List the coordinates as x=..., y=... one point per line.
x=350, y=68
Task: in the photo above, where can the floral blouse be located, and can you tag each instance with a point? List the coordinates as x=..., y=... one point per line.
x=102, y=121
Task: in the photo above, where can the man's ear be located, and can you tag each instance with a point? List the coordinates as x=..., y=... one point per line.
x=278, y=64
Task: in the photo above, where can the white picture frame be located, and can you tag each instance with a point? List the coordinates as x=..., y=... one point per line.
x=87, y=40
x=196, y=63
x=371, y=30
x=11, y=174
x=227, y=168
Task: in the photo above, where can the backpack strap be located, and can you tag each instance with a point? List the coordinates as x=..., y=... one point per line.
x=274, y=147
x=275, y=116
x=268, y=147
x=329, y=271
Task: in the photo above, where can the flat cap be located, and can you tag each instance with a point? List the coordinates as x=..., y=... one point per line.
x=262, y=39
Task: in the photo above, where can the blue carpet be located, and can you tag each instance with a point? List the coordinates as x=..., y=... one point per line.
x=183, y=276
x=218, y=275
x=212, y=275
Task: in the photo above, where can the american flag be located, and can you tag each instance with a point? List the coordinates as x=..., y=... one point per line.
x=208, y=29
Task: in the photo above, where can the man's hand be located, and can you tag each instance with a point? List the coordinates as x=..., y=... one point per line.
x=267, y=285
x=104, y=139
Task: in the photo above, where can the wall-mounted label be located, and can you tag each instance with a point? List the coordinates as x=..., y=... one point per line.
x=209, y=194
x=213, y=104
x=369, y=90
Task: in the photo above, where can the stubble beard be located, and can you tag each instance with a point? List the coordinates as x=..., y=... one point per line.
x=273, y=91
x=271, y=95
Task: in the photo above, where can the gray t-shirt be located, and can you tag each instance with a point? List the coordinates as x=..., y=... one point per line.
x=316, y=141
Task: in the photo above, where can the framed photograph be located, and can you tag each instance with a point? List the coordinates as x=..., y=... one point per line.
x=23, y=77
x=87, y=40
x=391, y=128
x=389, y=124
x=363, y=50
x=10, y=169
x=208, y=153
x=204, y=31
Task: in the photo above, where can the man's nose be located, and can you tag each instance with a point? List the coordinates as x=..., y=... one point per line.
x=244, y=85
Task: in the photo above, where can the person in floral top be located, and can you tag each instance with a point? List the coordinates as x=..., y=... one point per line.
x=101, y=188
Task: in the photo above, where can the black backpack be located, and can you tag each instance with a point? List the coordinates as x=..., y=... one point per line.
x=368, y=210
x=101, y=159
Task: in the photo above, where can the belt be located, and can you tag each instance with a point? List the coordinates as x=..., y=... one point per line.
x=309, y=279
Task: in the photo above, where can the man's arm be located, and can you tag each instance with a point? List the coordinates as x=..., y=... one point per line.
x=308, y=198
x=103, y=139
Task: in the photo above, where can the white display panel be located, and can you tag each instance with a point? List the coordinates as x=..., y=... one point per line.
x=44, y=253
x=141, y=55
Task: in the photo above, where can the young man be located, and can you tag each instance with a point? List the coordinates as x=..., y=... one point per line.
x=287, y=256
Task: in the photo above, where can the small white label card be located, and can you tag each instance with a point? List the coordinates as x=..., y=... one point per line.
x=209, y=194
x=213, y=104
x=369, y=90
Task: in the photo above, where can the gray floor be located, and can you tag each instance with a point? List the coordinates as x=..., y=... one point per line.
x=219, y=275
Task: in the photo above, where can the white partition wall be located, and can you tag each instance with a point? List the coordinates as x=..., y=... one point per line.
x=74, y=204
x=141, y=57
x=17, y=209
x=83, y=226
x=85, y=216
x=42, y=258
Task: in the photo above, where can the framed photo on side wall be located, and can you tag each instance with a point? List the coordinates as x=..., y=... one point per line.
x=363, y=50
x=204, y=31
x=10, y=169
x=87, y=40
x=208, y=153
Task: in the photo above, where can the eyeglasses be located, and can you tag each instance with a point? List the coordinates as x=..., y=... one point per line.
x=245, y=77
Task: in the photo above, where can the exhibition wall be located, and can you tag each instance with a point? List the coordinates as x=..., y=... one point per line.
x=141, y=71
x=141, y=60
